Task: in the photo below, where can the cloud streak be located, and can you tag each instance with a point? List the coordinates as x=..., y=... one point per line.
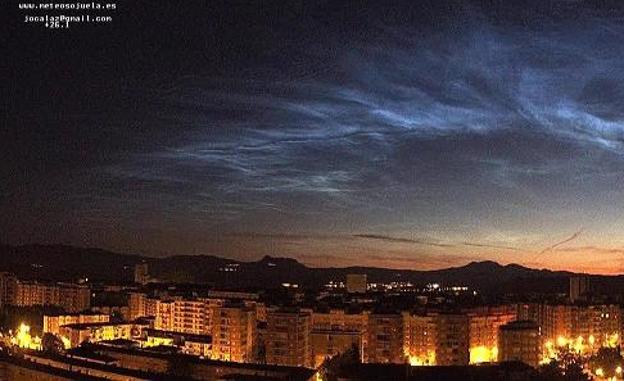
x=384, y=238
x=485, y=245
x=563, y=242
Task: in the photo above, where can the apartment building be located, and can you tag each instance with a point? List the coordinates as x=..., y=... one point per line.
x=384, y=339
x=484, y=323
x=336, y=331
x=452, y=339
x=234, y=333
x=594, y=325
x=520, y=341
x=181, y=315
x=70, y=297
x=421, y=338
x=141, y=305
x=288, y=338
x=8, y=288
x=53, y=323
x=96, y=332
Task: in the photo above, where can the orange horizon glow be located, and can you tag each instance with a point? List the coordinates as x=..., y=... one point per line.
x=343, y=250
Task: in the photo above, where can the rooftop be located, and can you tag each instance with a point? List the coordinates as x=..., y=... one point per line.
x=392, y=372
x=296, y=373
x=94, y=325
x=520, y=325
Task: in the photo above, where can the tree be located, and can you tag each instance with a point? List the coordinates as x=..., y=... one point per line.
x=51, y=343
x=608, y=362
x=568, y=366
x=331, y=367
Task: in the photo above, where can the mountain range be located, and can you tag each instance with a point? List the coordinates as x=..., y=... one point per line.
x=69, y=263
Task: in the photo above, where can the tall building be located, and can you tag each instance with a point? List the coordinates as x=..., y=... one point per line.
x=141, y=273
x=340, y=320
x=163, y=320
x=593, y=325
x=384, y=339
x=8, y=288
x=452, y=339
x=327, y=344
x=136, y=305
x=356, y=283
x=556, y=321
x=520, y=341
x=232, y=326
x=336, y=332
x=36, y=294
x=579, y=288
x=211, y=305
x=483, y=331
x=436, y=338
x=442, y=338
x=421, y=338
x=233, y=333
x=71, y=297
x=288, y=338
x=140, y=305
x=181, y=315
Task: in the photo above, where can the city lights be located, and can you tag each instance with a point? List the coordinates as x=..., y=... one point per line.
x=483, y=354
x=612, y=340
x=23, y=339
x=428, y=359
x=66, y=342
x=312, y=190
x=551, y=351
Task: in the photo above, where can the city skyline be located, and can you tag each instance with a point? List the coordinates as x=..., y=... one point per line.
x=414, y=136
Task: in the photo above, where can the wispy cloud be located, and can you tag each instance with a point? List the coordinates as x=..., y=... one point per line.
x=470, y=128
x=486, y=245
x=557, y=244
x=592, y=250
x=385, y=238
x=284, y=236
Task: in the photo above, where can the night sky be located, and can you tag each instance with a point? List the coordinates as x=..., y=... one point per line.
x=420, y=134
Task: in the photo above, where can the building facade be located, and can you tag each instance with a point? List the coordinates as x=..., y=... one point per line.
x=337, y=331
x=520, y=341
x=287, y=338
x=579, y=288
x=234, y=333
x=53, y=323
x=8, y=288
x=452, y=339
x=141, y=273
x=484, y=323
x=71, y=297
x=384, y=339
x=96, y=332
x=356, y=283
x=140, y=305
x=421, y=338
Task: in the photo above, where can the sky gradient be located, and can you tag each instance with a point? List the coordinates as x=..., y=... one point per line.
x=413, y=135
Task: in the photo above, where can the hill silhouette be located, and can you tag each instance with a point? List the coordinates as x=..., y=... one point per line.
x=66, y=263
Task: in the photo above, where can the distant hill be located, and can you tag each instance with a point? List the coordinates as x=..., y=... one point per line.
x=59, y=262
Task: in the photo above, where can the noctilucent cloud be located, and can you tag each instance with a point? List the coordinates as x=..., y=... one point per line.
x=413, y=135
